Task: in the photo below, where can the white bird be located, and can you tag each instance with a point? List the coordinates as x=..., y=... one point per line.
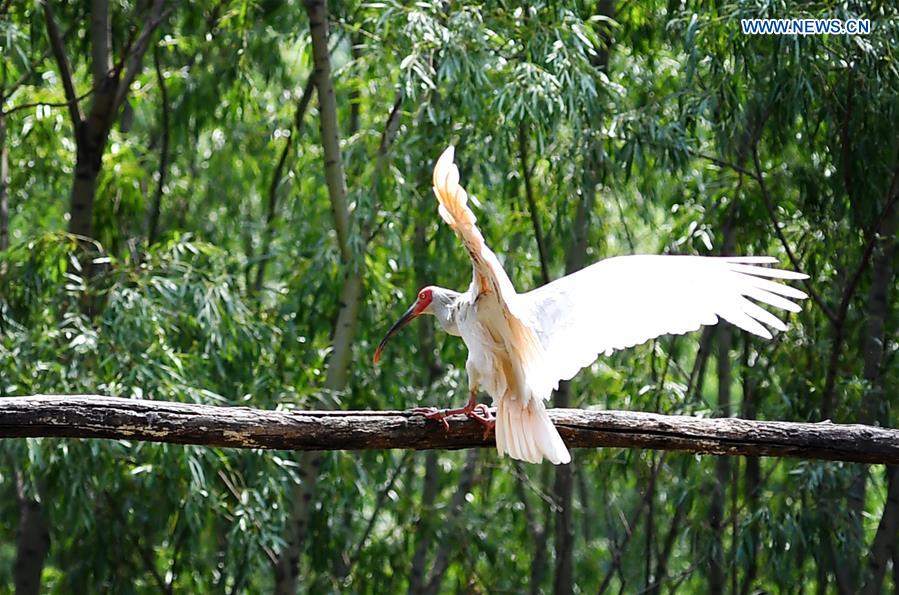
x=521, y=345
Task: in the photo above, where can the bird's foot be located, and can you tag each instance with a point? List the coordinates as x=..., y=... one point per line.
x=433, y=413
x=482, y=414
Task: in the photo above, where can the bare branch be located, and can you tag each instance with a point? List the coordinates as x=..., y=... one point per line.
x=769, y=207
x=277, y=176
x=532, y=202
x=724, y=164
x=62, y=61
x=379, y=504
x=96, y=416
x=135, y=56
x=388, y=135
x=153, y=227
x=839, y=322
x=23, y=106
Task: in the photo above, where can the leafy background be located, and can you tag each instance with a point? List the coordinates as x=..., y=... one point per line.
x=620, y=126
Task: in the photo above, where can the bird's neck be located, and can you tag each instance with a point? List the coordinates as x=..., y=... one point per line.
x=447, y=311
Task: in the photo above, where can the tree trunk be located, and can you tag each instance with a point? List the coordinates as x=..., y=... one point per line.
x=532, y=202
x=272, y=211
x=156, y=208
x=874, y=398
x=563, y=495
x=752, y=477
x=563, y=488
x=100, y=35
x=32, y=541
x=91, y=143
x=4, y=181
x=317, y=11
x=109, y=90
x=722, y=469
x=722, y=466
x=303, y=495
x=884, y=545
x=423, y=530
x=453, y=516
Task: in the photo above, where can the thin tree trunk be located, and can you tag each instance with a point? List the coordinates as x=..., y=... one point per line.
x=303, y=495
x=563, y=488
x=619, y=546
x=872, y=347
x=563, y=485
x=896, y=571
x=272, y=210
x=421, y=528
x=355, y=95
x=661, y=573
x=100, y=37
x=4, y=180
x=153, y=227
x=32, y=541
x=453, y=517
x=828, y=406
x=722, y=467
x=317, y=11
x=563, y=495
x=695, y=385
x=535, y=527
x=532, y=202
x=884, y=545
x=751, y=478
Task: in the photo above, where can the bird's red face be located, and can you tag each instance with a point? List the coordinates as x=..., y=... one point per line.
x=415, y=310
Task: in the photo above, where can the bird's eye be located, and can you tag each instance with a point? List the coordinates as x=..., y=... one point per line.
x=424, y=295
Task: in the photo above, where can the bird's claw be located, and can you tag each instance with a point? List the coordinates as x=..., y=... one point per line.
x=432, y=413
x=482, y=414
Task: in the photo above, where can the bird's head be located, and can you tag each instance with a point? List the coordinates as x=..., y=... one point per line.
x=424, y=304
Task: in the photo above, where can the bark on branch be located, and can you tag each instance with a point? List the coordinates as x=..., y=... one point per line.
x=95, y=416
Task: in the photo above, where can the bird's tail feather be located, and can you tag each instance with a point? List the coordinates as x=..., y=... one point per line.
x=525, y=432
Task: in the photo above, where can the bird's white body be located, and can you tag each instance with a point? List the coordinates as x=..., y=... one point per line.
x=521, y=345
x=497, y=365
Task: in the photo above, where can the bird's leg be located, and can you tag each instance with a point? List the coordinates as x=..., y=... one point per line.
x=471, y=409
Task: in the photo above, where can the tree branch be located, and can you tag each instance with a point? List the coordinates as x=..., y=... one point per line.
x=153, y=227
x=96, y=416
x=133, y=58
x=272, y=210
x=769, y=207
x=65, y=71
x=532, y=202
x=66, y=103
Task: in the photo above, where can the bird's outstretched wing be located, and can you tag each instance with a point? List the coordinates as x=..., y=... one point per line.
x=624, y=301
x=489, y=276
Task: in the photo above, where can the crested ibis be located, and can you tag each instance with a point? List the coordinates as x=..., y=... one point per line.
x=520, y=345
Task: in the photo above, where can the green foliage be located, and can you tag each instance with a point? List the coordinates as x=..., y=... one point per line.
x=653, y=114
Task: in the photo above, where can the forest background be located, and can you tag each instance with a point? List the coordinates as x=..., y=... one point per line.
x=226, y=202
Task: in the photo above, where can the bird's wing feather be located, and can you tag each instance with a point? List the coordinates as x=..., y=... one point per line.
x=624, y=301
x=489, y=276
x=489, y=279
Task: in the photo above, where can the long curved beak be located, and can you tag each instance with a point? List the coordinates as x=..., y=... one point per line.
x=411, y=314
